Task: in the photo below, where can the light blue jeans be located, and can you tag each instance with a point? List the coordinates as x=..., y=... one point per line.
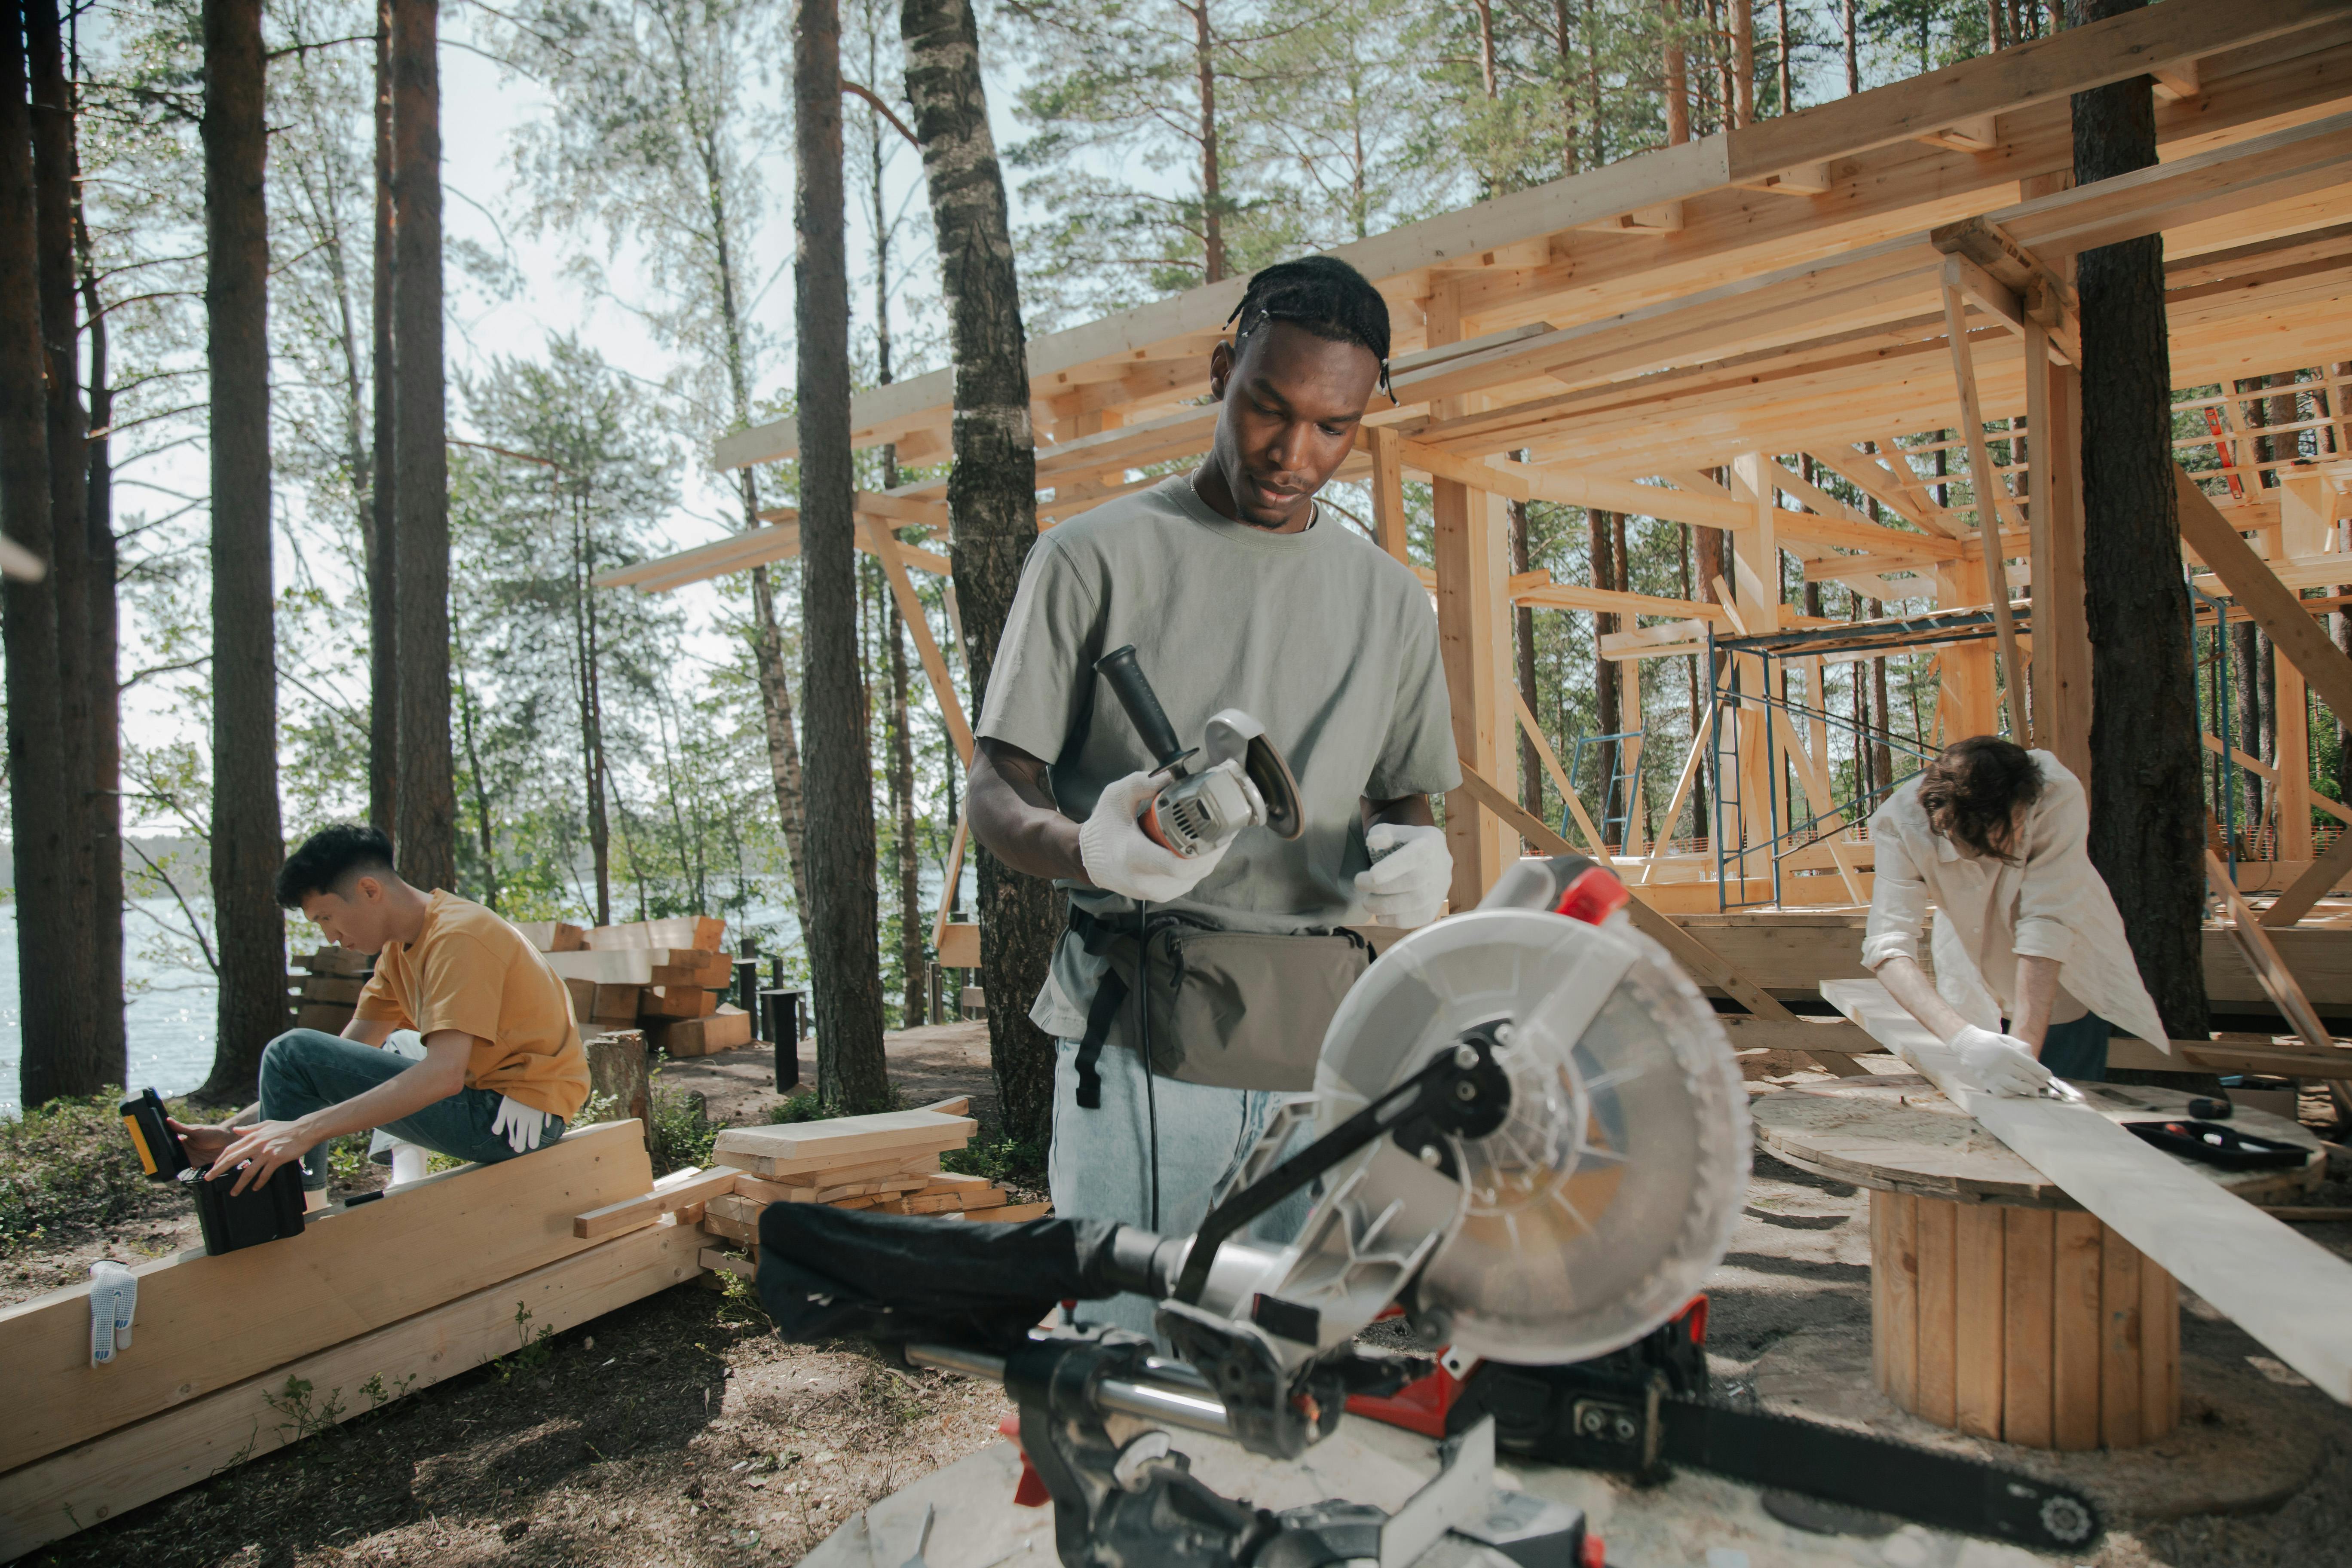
x=1100, y=1166
x=304, y=1071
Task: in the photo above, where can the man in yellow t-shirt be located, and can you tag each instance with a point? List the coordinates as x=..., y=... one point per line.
x=503, y=1068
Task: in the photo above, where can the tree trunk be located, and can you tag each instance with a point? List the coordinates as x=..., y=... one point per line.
x=91, y=1054
x=991, y=495
x=1786, y=64
x=1678, y=77
x=840, y=922
x=1743, y=61
x=1602, y=547
x=2246, y=680
x=246, y=843
x=1852, y=53
x=902, y=802
x=2147, y=829
x=427, y=802
x=1882, y=752
x=1523, y=629
x=383, y=552
x=37, y=779
x=105, y=694
x=1486, y=10
x=1212, y=216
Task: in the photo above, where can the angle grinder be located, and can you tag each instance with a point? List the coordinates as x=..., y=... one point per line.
x=1240, y=781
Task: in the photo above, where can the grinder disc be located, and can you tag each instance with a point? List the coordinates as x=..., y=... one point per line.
x=1598, y=1207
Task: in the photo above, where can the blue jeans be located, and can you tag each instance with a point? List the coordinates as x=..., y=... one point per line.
x=2078, y=1051
x=1100, y=1166
x=303, y=1070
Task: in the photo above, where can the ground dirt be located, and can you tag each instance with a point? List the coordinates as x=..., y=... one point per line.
x=681, y=1431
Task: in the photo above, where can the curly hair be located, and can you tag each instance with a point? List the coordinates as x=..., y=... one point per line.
x=1322, y=295
x=1974, y=788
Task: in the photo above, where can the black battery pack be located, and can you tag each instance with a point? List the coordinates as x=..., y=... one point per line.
x=269, y=1212
x=161, y=1155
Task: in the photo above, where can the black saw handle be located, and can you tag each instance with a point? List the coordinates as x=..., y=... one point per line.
x=1142, y=704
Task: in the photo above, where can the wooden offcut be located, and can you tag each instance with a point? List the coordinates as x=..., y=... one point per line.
x=786, y=1150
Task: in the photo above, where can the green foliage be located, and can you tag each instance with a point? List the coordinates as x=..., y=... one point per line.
x=65, y=1166
x=999, y=1159
x=682, y=1134
x=801, y=1107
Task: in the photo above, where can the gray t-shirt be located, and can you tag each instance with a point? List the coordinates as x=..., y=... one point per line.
x=1321, y=636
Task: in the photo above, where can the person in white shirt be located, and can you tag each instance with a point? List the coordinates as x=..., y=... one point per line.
x=1997, y=839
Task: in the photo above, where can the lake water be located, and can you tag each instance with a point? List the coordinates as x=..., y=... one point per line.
x=168, y=1018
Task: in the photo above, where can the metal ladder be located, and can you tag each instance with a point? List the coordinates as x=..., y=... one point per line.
x=1623, y=782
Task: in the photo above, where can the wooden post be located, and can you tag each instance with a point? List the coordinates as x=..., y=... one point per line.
x=2061, y=668
x=1987, y=487
x=2294, y=740
x=1629, y=717
x=1387, y=490
x=1756, y=555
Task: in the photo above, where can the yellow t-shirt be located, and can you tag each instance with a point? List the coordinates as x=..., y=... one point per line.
x=470, y=970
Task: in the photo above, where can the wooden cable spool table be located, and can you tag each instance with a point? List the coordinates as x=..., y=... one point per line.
x=1998, y=1306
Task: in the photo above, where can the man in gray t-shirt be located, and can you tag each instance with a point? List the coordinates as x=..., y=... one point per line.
x=1236, y=592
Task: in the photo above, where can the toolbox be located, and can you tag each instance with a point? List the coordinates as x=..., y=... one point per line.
x=268, y=1212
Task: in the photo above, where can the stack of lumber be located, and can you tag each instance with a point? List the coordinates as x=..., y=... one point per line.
x=325, y=993
x=240, y=1354
x=888, y=1164
x=666, y=977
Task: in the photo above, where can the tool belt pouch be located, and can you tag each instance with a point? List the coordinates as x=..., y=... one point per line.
x=1224, y=1009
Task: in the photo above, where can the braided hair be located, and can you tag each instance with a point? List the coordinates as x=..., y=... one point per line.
x=1322, y=295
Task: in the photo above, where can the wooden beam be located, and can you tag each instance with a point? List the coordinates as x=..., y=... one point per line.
x=1576, y=597
x=1551, y=760
x=191, y=1442
x=208, y=1322
x=2278, y=981
x=1990, y=494
x=887, y=548
x=2314, y=885
x=949, y=885
x=1525, y=481
x=1388, y=491
x=2060, y=672
x=2281, y=1288
x=2273, y=606
x=1690, y=760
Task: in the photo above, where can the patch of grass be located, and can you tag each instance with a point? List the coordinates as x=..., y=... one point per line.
x=1016, y=1160
x=802, y=1107
x=682, y=1134
x=65, y=1166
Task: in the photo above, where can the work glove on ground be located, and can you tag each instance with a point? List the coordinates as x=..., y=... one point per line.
x=519, y=1124
x=1120, y=858
x=1997, y=1064
x=1412, y=870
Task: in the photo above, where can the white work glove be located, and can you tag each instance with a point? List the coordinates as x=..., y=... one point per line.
x=1412, y=870
x=520, y=1124
x=1120, y=858
x=113, y=1302
x=1997, y=1064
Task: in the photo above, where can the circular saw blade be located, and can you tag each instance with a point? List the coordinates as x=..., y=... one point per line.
x=1598, y=1207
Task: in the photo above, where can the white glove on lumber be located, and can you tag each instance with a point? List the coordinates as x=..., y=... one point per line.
x=1120, y=858
x=519, y=1123
x=1412, y=870
x=1997, y=1064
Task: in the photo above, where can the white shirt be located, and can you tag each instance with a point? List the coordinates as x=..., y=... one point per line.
x=2053, y=903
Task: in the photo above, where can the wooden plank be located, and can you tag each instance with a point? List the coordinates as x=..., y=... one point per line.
x=552, y=936
x=1986, y=484
x=1900, y=1260
x=888, y=550
x=1525, y=481
x=678, y=1190
x=2119, y=1342
x=1882, y=1204
x=2074, y=1332
x=948, y=883
x=701, y=933
x=208, y=1322
x=1576, y=597
x=2280, y=1287
x=805, y=1183
x=1009, y=1214
x=719, y=1262
x=1466, y=547
x=727, y=1230
x=191, y=1442
x=1937, y=1245
x=1979, y=1318
x=2160, y=1338
x=2028, y=1240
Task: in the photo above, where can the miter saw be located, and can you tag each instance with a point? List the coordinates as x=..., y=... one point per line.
x=1527, y=1139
